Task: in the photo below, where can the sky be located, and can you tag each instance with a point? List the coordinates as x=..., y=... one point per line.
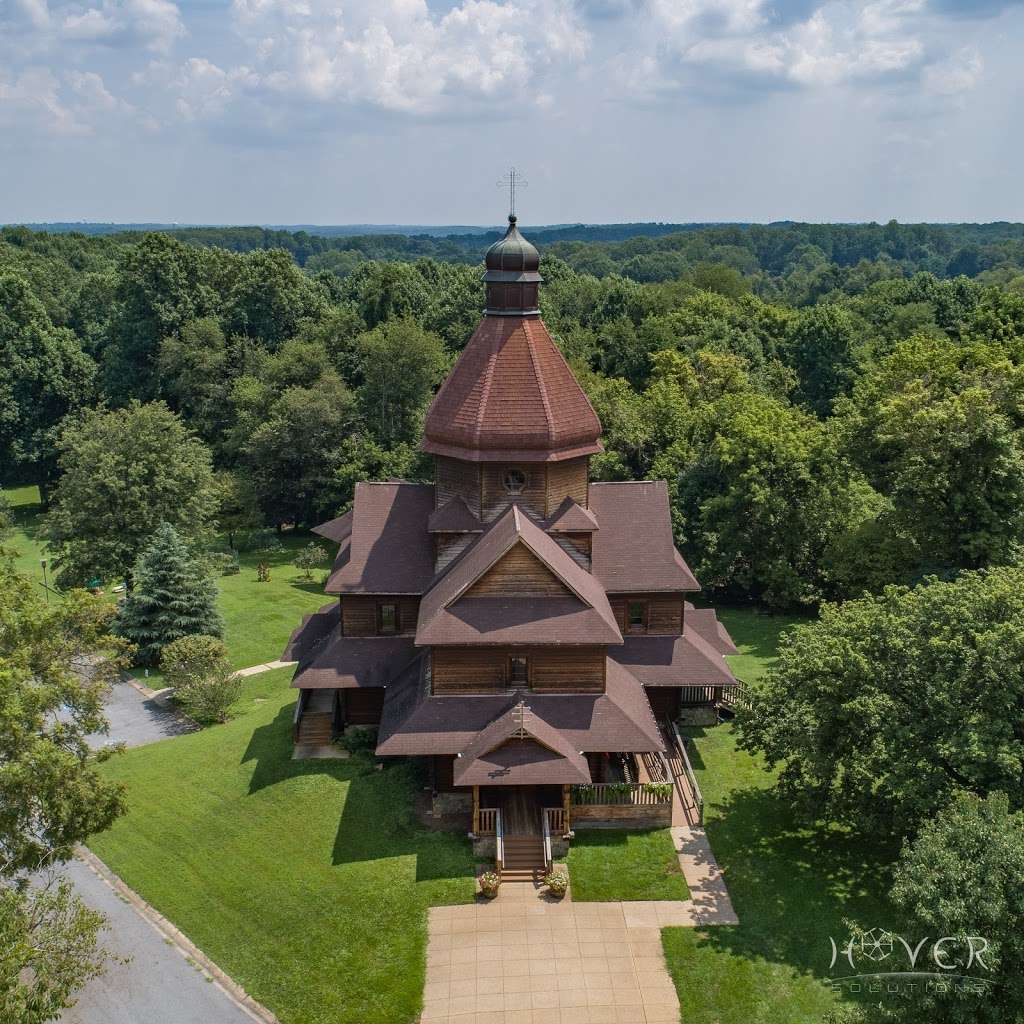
x=409, y=111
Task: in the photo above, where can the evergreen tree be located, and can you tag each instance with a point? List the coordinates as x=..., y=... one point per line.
x=173, y=597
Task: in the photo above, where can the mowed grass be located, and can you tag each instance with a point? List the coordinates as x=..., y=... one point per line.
x=614, y=864
x=307, y=881
x=258, y=617
x=793, y=886
x=756, y=634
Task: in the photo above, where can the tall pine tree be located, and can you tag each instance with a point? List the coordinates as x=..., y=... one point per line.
x=173, y=597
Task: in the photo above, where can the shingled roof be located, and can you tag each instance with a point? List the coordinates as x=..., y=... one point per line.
x=518, y=748
x=511, y=395
x=634, y=550
x=338, y=530
x=571, y=517
x=454, y=516
x=687, y=660
x=582, y=615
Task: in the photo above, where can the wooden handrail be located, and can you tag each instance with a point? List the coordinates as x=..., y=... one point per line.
x=486, y=821
x=691, y=778
x=300, y=708
x=546, y=832
x=556, y=820
x=642, y=793
x=499, y=844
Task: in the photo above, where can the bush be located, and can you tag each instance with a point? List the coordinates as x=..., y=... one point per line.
x=204, y=685
x=191, y=657
x=557, y=883
x=258, y=540
x=360, y=741
x=309, y=558
x=209, y=699
x=224, y=562
x=489, y=883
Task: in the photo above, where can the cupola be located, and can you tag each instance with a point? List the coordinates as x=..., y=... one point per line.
x=512, y=276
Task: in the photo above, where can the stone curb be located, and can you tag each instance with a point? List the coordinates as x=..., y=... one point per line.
x=178, y=939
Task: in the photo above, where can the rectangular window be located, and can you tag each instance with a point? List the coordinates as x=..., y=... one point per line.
x=518, y=670
x=387, y=618
x=636, y=616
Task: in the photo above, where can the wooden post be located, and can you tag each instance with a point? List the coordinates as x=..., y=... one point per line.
x=476, y=810
x=566, y=804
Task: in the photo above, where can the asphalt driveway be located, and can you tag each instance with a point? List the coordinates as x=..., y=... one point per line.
x=157, y=985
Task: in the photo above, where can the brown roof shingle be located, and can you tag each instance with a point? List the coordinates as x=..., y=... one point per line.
x=348, y=662
x=570, y=517
x=583, y=615
x=454, y=516
x=338, y=530
x=415, y=723
x=312, y=631
x=391, y=550
x=687, y=660
x=634, y=550
x=511, y=395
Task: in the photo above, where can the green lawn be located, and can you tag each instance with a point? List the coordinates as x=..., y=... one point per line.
x=258, y=617
x=307, y=881
x=792, y=886
x=756, y=634
x=612, y=864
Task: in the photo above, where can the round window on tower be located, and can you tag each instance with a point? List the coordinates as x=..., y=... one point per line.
x=513, y=480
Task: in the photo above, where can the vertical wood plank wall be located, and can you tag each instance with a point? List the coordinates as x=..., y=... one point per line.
x=665, y=612
x=552, y=669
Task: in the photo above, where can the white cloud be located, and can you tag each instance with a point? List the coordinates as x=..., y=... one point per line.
x=75, y=104
x=152, y=24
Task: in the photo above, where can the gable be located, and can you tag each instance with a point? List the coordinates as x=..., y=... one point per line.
x=519, y=571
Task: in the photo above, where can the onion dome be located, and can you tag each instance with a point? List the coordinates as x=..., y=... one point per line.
x=511, y=276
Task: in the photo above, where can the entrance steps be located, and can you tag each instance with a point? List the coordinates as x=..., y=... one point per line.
x=524, y=859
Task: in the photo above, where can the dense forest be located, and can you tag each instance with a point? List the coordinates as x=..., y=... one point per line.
x=835, y=407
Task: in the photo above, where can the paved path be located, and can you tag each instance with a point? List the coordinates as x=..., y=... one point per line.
x=136, y=719
x=157, y=986
x=255, y=670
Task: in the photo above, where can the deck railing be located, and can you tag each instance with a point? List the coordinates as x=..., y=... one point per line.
x=546, y=832
x=499, y=844
x=691, y=778
x=635, y=793
x=300, y=707
x=556, y=820
x=738, y=696
x=485, y=823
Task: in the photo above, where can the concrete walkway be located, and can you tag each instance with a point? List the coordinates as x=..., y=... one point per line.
x=255, y=670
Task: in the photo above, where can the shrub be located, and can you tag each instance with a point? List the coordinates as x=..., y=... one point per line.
x=309, y=558
x=361, y=741
x=489, y=883
x=191, y=657
x=557, y=883
x=224, y=562
x=209, y=699
x=204, y=685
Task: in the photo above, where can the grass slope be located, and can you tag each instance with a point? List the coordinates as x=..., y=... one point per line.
x=613, y=864
x=307, y=881
x=258, y=617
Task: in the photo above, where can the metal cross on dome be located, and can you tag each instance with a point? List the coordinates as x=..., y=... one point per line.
x=512, y=180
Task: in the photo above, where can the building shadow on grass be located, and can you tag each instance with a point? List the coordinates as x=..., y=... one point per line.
x=794, y=887
x=377, y=818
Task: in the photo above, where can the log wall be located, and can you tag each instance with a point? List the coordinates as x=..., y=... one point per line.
x=359, y=614
x=519, y=571
x=485, y=669
x=664, y=613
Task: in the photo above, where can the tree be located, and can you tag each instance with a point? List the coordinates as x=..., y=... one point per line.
x=309, y=558
x=401, y=366
x=197, y=667
x=292, y=454
x=237, y=508
x=938, y=429
x=43, y=375
x=125, y=472
x=268, y=297
x=963, y=875
x=888, y=705
x=54, y=658
x=173, y=597
x=162, y=284
x=820, y=346
x=48, y=949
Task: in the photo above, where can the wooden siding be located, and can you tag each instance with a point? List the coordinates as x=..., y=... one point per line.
x=519, y=571
x=567, y=479
x=552, y=670
x=664, y=613
x=359, y=614
x=449, y=546
x=495, y=499
x=362, y=706
x=454, y=477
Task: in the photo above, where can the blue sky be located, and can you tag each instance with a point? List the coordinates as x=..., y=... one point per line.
x=406, y=111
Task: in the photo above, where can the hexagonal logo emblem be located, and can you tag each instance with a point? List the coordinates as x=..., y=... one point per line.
x=876, y=944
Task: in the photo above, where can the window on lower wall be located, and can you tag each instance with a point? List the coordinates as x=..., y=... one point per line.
x=387, y=618
x=518, y=670
x=636, y=616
